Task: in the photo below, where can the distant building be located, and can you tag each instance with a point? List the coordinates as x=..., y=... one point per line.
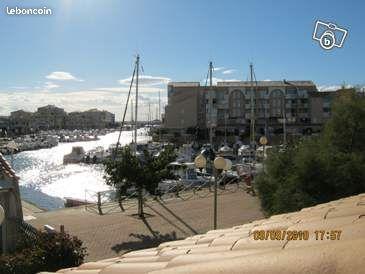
x=227, y=107
x=92, y=118
x=20, y=121
x=4, y=125
x=320, y=110
x=48, y=117
x=184, y=105
x=51, y=117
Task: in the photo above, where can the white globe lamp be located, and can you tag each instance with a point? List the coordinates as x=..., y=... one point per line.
x=200, y=161
x=228, y=165
x=219, y=163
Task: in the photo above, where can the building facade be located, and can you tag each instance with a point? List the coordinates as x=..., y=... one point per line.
x=48, y=117
x=51, y=117
x=20, y=121
x=4, y=125
x=229, y=107
x=92, y=118
x=184, y=104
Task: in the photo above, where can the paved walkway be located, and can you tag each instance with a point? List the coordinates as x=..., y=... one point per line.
x=117, y=232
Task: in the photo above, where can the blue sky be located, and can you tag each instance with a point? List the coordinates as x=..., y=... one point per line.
x=80, y=56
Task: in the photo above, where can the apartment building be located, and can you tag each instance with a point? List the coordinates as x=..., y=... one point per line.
x=92, y=118
x=48, y=117
x=184, y=105
x=20, y=121
x=52, y=117
x=229, y=107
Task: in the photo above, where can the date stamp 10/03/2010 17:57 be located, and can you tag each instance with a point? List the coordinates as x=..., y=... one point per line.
x=296, y=235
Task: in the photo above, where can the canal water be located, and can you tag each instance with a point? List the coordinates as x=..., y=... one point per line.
x=45, y=181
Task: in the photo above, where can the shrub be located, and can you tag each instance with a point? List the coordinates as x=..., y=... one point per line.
x=318, y=170
x=47, y=252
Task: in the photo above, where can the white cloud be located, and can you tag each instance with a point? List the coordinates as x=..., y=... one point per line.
x=218, y=68
x=228, y=71
x=19, y=87
x=125, y=89
x=230, y=80
x=332, y=87
x=50, y=85
x=215, y=80
x=62, y=76
x=147, y=80
x=109, y=98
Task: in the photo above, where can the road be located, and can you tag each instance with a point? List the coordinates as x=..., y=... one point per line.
x=117, y=232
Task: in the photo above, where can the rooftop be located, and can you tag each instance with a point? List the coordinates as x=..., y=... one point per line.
x=6, y=169
x=245, y=84
x=184, y=84
x=265, y=83
x=234, y=250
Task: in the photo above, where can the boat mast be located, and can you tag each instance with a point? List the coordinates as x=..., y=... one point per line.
x=149, y=115
x=132, y=118
x=125, y=112
x=136, y=107
x=159, y=105
x=252, y=131
x=211, y=103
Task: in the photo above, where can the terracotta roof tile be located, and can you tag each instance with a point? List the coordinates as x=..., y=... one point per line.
x=234, y=250
x=95, y=271
x=133, y=268
x=139, y=259
x=95, y=265
x=327, y=258
x=6, y=169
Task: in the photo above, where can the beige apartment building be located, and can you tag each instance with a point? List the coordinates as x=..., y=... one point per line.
x=228, y=107
x=92, y=118
x=184, y=104
x=52, y=117
x=48, y=117
x=19, y=121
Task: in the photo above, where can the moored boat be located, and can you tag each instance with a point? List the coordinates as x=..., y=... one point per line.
x=76, y=156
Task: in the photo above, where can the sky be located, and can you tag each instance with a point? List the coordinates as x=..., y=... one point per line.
x=82, y=55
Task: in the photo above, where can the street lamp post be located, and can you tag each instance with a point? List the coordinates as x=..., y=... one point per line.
x=263, y=142
x=220, y=164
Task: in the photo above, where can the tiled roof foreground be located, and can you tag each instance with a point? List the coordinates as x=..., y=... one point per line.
x=6, y=169
x=234, y=250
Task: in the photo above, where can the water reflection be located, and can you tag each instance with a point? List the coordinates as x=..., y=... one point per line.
x=45, y=180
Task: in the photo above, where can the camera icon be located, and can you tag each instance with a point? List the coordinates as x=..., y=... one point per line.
x=329, y=35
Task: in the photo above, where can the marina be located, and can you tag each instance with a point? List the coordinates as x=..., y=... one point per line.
x=48, y=139
x=45, y=181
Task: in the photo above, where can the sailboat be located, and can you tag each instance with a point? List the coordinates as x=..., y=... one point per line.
x=135, y=78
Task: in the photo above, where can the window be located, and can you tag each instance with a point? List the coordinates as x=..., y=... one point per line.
x=292, y=91
x=236, y=104
x=276, y=103
x=220, y=96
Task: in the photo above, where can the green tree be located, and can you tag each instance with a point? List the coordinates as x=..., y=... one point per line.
x=319, y=169
x=141, y=172
x=44, y=252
